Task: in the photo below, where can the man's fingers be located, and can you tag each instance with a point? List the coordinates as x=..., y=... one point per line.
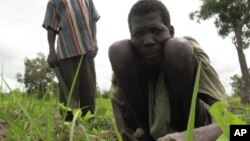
x=52, y=60
x=177, y=136
x=53, y=65
x=169, y=139
x=138, y=133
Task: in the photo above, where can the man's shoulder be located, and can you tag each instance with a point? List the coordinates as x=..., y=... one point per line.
x=120, y=46
x=121, y=43
x=183, y=41
x=122, y=52
x=177, y=42
x=53, y=1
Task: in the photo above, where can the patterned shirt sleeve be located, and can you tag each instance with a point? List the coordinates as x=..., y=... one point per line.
x=94, y=18
x=94, y=12
x=51, y=17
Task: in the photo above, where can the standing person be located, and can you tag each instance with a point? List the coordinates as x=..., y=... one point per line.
x=74, y=21
x=153, y=80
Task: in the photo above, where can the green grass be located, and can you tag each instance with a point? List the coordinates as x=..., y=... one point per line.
x=28, y=118
x=240, y=110
x=105, y=103
x=191, y=119
x=224, y=114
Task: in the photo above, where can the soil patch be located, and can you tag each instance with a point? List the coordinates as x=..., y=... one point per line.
x=4, y=127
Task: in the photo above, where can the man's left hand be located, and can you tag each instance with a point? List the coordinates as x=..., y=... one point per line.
x=93, y=53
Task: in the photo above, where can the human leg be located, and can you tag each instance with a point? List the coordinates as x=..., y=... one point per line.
x=67, y=68
x=87, y=88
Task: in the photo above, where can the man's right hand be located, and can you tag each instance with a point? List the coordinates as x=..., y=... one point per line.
x=127, y=135
x=177, y=136
x=204, y=133
x=52, y=59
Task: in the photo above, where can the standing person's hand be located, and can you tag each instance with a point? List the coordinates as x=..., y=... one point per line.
x=93, y=53
x=52, y=59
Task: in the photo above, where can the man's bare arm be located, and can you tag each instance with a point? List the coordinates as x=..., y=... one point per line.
x=205, y=133
x=126, y=133
x=52, y=57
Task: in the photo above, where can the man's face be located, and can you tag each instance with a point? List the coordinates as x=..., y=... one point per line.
x=148, y=34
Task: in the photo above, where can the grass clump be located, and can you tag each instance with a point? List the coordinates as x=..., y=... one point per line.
x=27, y=118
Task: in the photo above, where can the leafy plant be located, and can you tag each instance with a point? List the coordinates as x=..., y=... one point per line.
x=224, y=118
x=218, y=110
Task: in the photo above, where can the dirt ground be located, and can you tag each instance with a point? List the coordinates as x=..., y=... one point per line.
x=4, y=127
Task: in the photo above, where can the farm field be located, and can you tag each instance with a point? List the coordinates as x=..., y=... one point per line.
x=27, y=118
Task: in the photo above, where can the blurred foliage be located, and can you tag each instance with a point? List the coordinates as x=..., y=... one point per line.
x=240, y=110
x=38, y=76
x=44, y=121
x=231, y=18
x=236, y=84
x=102, y=93
x=228, y=14
x=224, y=119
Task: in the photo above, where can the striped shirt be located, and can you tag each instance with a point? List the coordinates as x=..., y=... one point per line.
x=75, y=23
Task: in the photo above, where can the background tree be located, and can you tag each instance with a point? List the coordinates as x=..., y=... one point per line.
x=236, y=84
x=232, y=17
x=38, y=76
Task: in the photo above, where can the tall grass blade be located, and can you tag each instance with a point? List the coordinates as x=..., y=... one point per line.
x=85, y=134
x=73, y=84
x=33, y=123
x=74, y=80
x=7, y=85
x=117, y=133
x=49, y=123
x=191, y=119
x=18, y=129
x=1, y=86
x=72, y=129
x=72, y=89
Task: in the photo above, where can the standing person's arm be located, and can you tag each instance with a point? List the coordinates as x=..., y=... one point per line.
x=95, y=41
x=50, y=23
x=96, y=17
x=52, y=57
